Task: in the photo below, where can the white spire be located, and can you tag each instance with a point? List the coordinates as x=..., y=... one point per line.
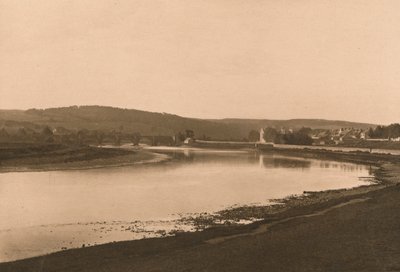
x=262, y=140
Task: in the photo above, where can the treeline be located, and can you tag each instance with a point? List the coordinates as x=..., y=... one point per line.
x=25, y=135
x=385, y=132
x=299, y=137
x=61, y=135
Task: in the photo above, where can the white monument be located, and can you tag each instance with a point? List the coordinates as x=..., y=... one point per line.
x=262, y=140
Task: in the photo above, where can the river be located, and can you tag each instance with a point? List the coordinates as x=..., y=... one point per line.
x=43, y=212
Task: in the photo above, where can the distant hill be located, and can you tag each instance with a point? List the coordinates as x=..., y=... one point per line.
x=151, y=123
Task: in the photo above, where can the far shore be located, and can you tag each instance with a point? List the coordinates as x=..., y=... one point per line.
x=333, y=215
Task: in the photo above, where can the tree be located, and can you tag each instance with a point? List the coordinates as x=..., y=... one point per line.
x=117, y=137
x=305, y=130
x=189, y=133
x=385, y=132
x=135, y=138
x=99, y=137
x=254, y=136
x=393, y=130
x=179, y=138
x=297, y=138
x=380, y=132
x=271, y=135
x=46, y=134
x=81, y=135
x=370, y=133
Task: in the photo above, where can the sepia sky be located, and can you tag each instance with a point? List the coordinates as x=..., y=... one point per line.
x=275, y=59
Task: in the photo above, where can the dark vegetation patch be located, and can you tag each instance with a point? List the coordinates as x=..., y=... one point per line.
x=38, y=154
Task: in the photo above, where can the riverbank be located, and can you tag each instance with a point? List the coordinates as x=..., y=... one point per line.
x=50, y=157
x=347, y=230
x=339, y=155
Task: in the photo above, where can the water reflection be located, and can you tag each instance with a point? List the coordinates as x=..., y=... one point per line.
x=240, y=157
x=271, y=161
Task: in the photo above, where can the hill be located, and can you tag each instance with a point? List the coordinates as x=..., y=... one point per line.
x=103, y=118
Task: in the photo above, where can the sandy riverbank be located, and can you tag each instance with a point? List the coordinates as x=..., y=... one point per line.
x=309, y=233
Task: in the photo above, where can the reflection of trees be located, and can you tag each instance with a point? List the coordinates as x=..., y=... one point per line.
x=352, y=167
x=269, y=161
x=264, y=160
x=345, y=167
x=253, y=158
x=204, y=156
x=281, y=162
x=371, y=171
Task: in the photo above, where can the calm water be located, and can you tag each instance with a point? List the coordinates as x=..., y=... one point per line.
x=42, y=212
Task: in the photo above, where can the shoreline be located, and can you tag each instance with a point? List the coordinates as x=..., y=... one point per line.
x=387, y=174
x=343, y=156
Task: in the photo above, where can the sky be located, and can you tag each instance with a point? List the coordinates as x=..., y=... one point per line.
x=273, y=59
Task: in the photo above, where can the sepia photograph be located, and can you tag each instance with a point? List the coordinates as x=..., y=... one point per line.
x=199, y=135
